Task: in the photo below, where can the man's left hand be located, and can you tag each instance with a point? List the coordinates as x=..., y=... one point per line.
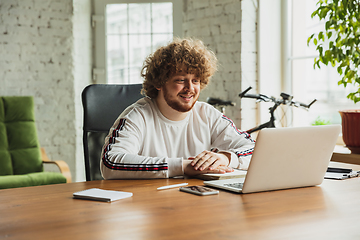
x=209, y=160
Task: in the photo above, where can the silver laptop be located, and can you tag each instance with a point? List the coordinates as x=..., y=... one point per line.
x=286, y=158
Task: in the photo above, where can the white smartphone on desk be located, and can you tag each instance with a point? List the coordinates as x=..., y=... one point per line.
x=199, y=190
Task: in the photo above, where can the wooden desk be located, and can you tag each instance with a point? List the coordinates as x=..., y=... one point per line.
x=329, y=211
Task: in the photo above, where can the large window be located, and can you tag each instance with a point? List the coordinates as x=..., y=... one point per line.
x=127, y=32
x=133, y=31
x=286, y=65
x=309, y=83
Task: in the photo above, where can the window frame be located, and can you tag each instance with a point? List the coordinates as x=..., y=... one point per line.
x=99, y=73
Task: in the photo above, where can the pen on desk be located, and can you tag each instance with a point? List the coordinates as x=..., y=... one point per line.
x=172, y=186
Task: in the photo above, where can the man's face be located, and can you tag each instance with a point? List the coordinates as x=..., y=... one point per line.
x=181, y=91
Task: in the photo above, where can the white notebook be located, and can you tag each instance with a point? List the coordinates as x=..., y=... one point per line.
x=101, y=195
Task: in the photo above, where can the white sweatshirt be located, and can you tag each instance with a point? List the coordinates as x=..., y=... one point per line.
x=142, y=143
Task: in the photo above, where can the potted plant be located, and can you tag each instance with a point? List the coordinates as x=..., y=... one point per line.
x=339, y=45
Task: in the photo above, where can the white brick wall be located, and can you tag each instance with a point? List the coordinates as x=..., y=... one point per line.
x=228, y=27
x=37, y=59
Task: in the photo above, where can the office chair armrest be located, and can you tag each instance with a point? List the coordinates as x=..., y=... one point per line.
x=62, y=165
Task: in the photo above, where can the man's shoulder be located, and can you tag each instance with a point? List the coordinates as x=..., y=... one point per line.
x=206, y=110
x=142, y=106
x=142, y=103
x=203, y=106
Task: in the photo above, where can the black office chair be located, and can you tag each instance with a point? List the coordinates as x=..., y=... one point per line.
x=102, y=105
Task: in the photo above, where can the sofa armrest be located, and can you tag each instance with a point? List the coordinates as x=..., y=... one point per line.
x=62, y=165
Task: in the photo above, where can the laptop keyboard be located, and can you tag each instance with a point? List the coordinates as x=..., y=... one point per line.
x=235, y=185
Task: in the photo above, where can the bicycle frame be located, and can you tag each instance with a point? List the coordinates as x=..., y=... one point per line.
x=269, y=124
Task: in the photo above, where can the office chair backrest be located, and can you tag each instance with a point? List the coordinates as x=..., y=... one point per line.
x=102, y=105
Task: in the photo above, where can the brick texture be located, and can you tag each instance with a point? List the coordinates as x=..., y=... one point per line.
x=37, y=59
x=228, y=28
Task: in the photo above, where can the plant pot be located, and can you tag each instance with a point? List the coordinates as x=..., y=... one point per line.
x=351, y=129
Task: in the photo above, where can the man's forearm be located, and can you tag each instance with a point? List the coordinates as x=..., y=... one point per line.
x=125, y=165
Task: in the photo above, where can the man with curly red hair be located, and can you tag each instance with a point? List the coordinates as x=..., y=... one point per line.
x=169, y=133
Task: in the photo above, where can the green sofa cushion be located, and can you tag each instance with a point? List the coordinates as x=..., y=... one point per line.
x=2, y=112
x=5, y=158
x=20, y=156
x=31, y=179
x=19, y=137
x=19, y=109
x=5, y=163
x=26, y=160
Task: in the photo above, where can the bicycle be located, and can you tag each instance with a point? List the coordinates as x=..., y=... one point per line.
x=286, y=99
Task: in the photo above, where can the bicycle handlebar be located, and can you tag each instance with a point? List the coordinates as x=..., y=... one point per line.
x=256, y=96
x=242, y=94
x=260, y=97
x=285, y=99
x=308, y=106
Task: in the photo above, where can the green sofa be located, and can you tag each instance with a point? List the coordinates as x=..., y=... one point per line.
x=21, y=158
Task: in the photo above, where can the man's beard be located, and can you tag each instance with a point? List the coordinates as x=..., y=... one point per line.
x=176, y=105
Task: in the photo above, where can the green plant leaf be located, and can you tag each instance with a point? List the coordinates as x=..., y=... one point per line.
x=342, y=27
x=339, y=70
x=321, y=121
x=309, y=39
x=327, y=25
x=320, y=50
x=318, y=64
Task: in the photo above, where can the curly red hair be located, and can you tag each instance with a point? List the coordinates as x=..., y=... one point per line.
x=182, y=54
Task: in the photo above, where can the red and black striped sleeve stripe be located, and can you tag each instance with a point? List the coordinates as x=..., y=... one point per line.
x=126, y=166
x=246, y=135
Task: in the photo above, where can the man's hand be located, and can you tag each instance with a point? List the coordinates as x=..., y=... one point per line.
x=210, y=160
x=190, y=171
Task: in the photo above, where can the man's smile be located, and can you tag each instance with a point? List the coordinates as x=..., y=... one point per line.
x=187, y=97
